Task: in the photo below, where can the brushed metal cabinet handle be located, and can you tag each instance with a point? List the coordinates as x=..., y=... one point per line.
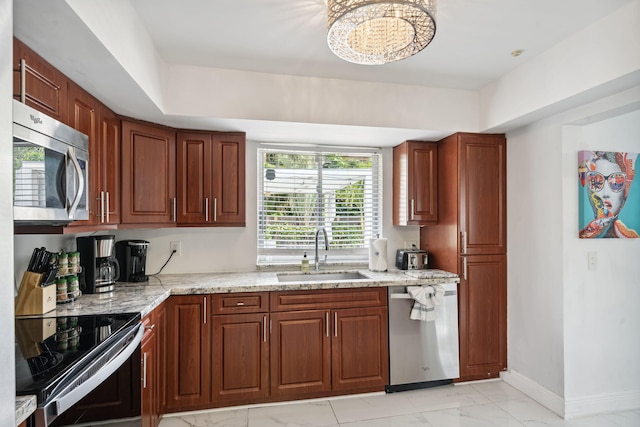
x=335, y=323
x=215, y=209
x=23, y=81
x=144, y=370
x=413, y=210
x=175, y=210
x=108, y=205
x=206, y=209
x=102, y=207
x=204, y=311
x=264, y=328
x=327, y=323
x=464, y=268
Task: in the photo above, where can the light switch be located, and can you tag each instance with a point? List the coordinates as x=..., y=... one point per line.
x=592, y=260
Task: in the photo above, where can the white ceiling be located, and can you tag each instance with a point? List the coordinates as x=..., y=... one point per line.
x=471, y=48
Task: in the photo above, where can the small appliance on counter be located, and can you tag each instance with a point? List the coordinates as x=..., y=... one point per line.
x=132, y=255
x=411, y=259
x=100, y=269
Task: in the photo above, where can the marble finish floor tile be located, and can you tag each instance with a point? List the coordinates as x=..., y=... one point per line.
x=411, y=420
x=497, y=391
x=485, y=415
x=486, y=404
x=214, y=418
x=362, y=408
x=313, y=414
x=445, y=397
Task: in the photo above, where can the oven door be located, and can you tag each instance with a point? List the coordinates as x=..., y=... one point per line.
x=89, y=375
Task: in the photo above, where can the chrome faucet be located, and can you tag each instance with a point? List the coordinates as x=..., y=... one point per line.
x=326, y=245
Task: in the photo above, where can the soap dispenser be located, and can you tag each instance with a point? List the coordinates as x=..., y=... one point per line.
x=304, y=266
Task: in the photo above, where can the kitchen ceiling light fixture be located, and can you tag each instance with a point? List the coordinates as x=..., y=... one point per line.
x=374, y=32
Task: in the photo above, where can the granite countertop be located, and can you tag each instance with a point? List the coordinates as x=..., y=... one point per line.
x=25, y=406
x=143, y=298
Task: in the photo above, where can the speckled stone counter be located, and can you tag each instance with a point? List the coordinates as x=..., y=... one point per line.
x=143, y=298
x=25, y=406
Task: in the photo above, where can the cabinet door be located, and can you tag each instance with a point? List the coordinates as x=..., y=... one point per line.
x=240, y=354
x=39, y=83
x=148, y=174
x=149, y=368
x=415, y=183
x=161, y=358
x=300, y=353
x=228, y=180
x=83, y=116
x=188, y=353
x=483, y=194
x=483, y=316
x=194, y=178
x=423, y=182
x=360, y=348
x=108, y=162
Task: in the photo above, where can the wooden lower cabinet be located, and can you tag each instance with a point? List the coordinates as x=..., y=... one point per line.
x=483, y=317
x=300, y=353
x=360, y=348
x=240, y=357
x=261, y=347
x=188, y=353
x=149, y=408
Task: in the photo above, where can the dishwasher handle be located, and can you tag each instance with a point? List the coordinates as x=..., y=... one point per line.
x=407, y=296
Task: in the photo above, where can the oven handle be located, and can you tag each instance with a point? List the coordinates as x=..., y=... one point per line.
x=80, y=387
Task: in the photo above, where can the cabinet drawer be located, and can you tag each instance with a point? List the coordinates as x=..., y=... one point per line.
x=249, y=302
x=328, y=299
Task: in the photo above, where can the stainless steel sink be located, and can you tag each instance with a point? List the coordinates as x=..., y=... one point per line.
x=316, y=277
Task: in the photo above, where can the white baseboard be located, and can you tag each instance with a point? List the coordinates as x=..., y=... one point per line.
x=572, y=408
x=535, y=391
x=591, y=405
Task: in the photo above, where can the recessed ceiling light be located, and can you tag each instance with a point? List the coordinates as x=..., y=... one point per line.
x=517, y=52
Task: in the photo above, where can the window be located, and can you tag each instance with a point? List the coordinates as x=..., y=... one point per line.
x=300, y=192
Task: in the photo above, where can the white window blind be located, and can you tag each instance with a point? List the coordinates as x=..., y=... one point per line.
x=300, y=191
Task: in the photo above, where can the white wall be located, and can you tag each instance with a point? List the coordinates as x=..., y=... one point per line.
x=7, y=350
x=602, y=320
x=572, y=333
x=219, y=249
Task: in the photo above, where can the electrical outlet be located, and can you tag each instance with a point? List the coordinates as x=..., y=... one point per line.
x=176, y=246
x=409, y=244
x=592, y=260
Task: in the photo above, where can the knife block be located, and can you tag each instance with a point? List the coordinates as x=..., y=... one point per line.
x=33, y=298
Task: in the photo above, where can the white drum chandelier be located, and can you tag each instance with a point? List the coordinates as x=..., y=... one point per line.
x=377, y=32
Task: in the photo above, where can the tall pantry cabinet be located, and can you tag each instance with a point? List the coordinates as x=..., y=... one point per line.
x=470, y=240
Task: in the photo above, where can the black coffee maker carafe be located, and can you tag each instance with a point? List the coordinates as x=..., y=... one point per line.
x=100, y=269
x=132, y=256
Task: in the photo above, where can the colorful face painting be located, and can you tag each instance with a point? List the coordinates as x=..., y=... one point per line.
x=605, y=179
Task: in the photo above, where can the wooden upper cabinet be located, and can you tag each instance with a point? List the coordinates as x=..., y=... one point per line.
x=415, y=183
x=148, y=174
x=482, y=200
x=211, y=179
x=38, y=84
x=83, y=116
x=108, y=164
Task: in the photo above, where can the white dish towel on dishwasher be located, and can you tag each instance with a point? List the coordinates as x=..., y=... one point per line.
x=426, y=299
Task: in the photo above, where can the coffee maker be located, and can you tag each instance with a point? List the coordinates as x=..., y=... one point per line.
x=100, y=269
x=132, y=255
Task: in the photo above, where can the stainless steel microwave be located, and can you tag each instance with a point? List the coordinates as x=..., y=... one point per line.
x=50, y=169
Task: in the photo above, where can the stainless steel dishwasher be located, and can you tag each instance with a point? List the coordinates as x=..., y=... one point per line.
x=422, y=354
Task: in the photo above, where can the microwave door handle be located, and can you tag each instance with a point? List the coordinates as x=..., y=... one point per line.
x=80, y=186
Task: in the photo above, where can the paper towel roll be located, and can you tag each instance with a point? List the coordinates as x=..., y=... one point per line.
x=378, y=254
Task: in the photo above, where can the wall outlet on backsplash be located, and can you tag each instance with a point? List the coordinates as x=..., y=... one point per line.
x=409, y=244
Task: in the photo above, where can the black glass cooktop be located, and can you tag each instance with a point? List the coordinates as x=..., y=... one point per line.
x=48, y=348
